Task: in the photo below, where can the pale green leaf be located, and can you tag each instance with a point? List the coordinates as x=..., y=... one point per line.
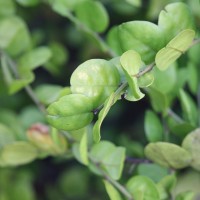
x=6, y=135
x=168, y=155
x=136, y=3
x=146, y=80
x=28, y=2
x=18, y=153
x=142, y=188
x=14, y=35
x=174, y=49
x=186, y=196
x=84, y=149
x=48, y=93
x=109, y=157
x=153, y=127
x=131, y=63
x=112, y=192
x=34, y=58
x=192, y=144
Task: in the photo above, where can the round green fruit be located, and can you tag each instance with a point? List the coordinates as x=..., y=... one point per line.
x=70, y=112
x=95, y=78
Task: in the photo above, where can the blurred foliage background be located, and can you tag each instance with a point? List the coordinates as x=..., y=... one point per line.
x=64, y=178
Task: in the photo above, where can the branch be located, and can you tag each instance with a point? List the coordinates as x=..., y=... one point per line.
x=147, y=69
x=172, y=114
x=116, y=184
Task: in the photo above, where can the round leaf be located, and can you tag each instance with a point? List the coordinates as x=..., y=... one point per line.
x=96, y=78
x=143, y=188
x=70, y=112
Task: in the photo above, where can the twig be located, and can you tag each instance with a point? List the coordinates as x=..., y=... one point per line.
x=117, y=185
x=145, y=70
x=172, y=114
x=196, y=41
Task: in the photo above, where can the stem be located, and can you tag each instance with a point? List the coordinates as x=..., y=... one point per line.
x=117, y=185
x=172, y=114
x=27, y=88
x=196, y=41
x=84, y=28
x=145, y=70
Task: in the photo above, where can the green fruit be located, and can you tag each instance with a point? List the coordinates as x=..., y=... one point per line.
x=70, y=112
x=97, y=79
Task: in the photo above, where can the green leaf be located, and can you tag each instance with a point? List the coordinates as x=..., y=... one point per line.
x=15, y=82
x=109, y=157
x=14, y=35
x=6, y=8
x=142, y=36
x=70, y=112
x=131, y=63
x=112, y=39
x=168, y=155
x=160, y=83
x=95, y=78
x=55, y=63
x=158, y=100
x=146, y=80
x=93, y=15
x=152, y=171
x=112, y=192
x=48, y=93
x=153, y=127
x=186, y=196
x=142, y=188
x=6, y=135
x=174, y=49
x=192, y=77
x=84, y=149
x=192, y=144
x=34, y=58
x=189, y=108
x=136, y=3
x=28, y=2
x=171, y=25
x=107, y=105
x=17, y=153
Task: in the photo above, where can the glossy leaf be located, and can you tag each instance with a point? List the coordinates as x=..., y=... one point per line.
x=18, y=39
x=152, y=171
x=93, y=15
x=18, y=153
x=153, y=127
x=112, y=192
x=70, y=112
x=7, y=8
x=48, y=93
x=102, y=114
x=168, y=155
x=109, y=157
x=96, y=78
x=171, y=25
x=144, y=37
x=174, y=49
x=143, y=188
x=189, y=108
x=192, y=144
x=131, y=63
x=34, y=58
